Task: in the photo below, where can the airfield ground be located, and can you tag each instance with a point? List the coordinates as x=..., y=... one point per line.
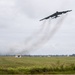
x=37, y=65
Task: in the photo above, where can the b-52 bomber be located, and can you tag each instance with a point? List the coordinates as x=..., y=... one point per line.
x=56, y=14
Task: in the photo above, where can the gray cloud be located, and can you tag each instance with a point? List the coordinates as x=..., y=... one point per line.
x=18, y=20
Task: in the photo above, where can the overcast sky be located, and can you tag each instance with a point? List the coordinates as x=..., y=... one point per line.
x=19, y=19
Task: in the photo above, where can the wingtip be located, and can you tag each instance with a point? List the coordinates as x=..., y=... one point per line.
x=41, y=20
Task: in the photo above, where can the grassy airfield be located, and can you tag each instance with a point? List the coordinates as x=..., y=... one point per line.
x=37, y=65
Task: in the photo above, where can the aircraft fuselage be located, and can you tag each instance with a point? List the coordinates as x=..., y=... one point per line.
x=56, y=14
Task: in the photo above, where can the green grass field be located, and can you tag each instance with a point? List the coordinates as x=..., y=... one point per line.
x=37, y=65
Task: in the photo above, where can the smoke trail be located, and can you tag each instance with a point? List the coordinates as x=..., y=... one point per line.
x=30, y=41
x=47, y=36
x=39, y=36
x=45, y=33
x=57, y=25
x=38, y=41
x=35, y=35
x=54, y=29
